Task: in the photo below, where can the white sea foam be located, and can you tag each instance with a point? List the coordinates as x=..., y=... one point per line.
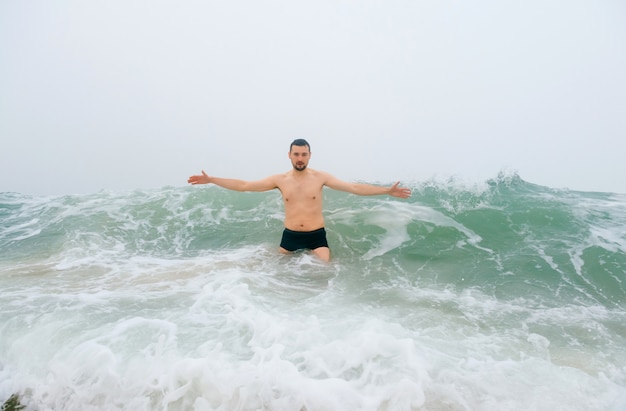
x=216, y=333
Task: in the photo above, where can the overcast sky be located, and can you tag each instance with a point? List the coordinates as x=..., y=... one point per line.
x=119, y=95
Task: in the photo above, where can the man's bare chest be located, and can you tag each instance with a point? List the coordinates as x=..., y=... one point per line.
x=302, y=192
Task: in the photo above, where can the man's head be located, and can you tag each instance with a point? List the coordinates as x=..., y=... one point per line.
x=300, y=142
x=299, y=154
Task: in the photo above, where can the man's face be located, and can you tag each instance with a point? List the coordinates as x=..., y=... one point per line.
x=299, y=156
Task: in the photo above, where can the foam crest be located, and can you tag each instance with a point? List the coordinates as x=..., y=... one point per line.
x=394, y=219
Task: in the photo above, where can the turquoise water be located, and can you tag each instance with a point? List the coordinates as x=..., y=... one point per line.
x=496, y=296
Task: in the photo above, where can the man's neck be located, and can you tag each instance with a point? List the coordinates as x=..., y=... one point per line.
x=299, y=173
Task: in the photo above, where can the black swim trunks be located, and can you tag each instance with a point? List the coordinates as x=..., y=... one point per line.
x=303, y=240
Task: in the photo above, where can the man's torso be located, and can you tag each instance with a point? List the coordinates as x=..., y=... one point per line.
x=302, y=197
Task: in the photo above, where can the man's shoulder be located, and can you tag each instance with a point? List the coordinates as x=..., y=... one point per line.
x=323, y=176
x=318, y=173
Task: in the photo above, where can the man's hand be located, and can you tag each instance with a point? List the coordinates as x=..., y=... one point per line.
x=399, y=191
x=199, y=179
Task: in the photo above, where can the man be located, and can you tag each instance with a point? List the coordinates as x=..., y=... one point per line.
x=301, y=188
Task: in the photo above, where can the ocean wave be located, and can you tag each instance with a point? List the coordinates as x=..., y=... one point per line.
x=462, y=297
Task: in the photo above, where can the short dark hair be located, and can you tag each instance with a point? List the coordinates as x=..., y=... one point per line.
x=300, y=142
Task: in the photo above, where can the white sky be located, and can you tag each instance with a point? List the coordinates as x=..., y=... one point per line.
x=120, y=95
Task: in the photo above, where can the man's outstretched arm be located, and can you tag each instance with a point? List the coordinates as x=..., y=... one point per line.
x=367, y=189
x=265, y=184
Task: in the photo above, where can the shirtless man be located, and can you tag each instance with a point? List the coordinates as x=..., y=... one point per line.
x=301, y=189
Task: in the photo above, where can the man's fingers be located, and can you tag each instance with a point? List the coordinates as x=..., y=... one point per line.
x=194, y=179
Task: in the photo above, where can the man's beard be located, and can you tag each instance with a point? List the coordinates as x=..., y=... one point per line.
x=299, y=167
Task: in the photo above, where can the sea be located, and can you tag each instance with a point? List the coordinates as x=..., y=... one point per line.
x=496, y=295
